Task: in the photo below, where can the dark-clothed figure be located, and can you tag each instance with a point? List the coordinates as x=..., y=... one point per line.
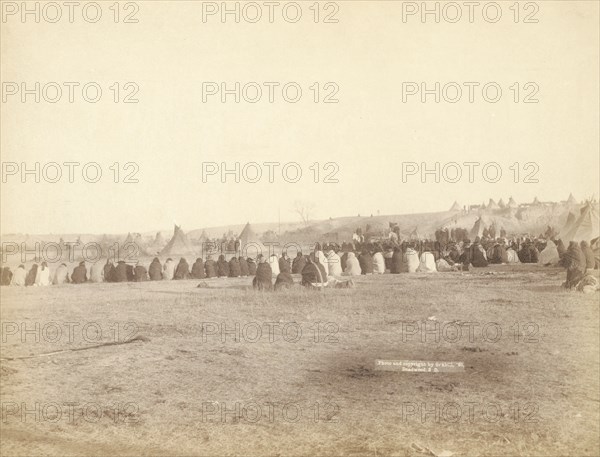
x=234, y=268
x=366, y=262
x=121, y=271
x=284, y=264
x=298, y=264
x=198, y=269
x=284, y=281
x=183, y=270
x=155, y=270
x=6, y=276
x=243, y=266
x=575, y=263
x=109, y=271
x=499, y=254
x=313, y=272
x=263, y=279
x=251, y=266
x=130, y=272
x=222, y=267
x=478, y=258
x=534, y=254
x=397, y=261
x=79, y=275
x=30, y=279
x=210, y=267
x=140, y=273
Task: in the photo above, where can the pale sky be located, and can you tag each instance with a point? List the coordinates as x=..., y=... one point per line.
x=369, y=133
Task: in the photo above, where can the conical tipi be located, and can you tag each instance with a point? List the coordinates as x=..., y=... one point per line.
x=248, y=235
x=178, y=245
x=456, y=207
x=536, y=201
x=501, y=203
x=492, y=205
x=511, y=203
x=571, y=200
x=585, y=227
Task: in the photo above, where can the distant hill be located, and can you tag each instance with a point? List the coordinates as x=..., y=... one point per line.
x=531, y=219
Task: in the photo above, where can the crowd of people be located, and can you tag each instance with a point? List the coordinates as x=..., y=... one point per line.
x=327, y=264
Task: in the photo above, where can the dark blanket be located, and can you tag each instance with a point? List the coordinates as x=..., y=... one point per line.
x=534, y=254
x=524, y=254
x=243, y=266
x=155, y=270
x=79, y=275
x=284, y=281
x=140, y=273
x=284, y=265
x=210, y=268
x=251, y=267
x=130, y=273
x=222, y=266
x=234, y=268
x=477, y=258
x=110, y=272
x=397, y=260
x=574, y=258
x=30, y=278
x=298, y=264
x=182, y=271
x=499, y=254
x=120, y=272
x=263, y=279
x=366, y=263
x=310, y=273
x=6, y=276
x=198, y=269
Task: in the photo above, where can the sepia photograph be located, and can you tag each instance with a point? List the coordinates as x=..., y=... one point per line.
x=312, y=228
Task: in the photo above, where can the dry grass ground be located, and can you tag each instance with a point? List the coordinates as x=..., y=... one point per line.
x=538, y=386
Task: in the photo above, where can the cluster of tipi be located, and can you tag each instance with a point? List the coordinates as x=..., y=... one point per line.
x=180, y=246
x=578, y=227
x=512, y=204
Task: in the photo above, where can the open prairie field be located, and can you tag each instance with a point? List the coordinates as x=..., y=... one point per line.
x=169, y=368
